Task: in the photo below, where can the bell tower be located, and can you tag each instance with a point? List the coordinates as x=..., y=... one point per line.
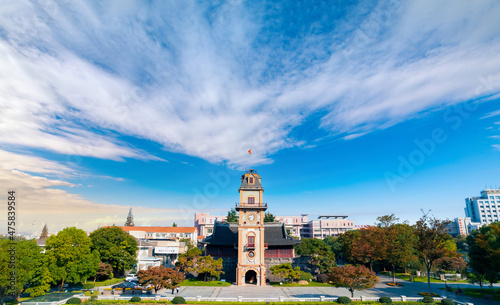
x=251, y=269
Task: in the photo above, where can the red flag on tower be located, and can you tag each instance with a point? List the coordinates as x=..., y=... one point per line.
x=250, y=151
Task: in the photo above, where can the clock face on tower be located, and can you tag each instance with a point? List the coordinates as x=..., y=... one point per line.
x=251, y=217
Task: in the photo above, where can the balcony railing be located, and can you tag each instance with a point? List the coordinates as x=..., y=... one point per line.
x=250, y=246
x=251, y=205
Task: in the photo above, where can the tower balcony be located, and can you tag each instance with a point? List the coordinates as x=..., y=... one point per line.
x=250, y=206
x=251, y=246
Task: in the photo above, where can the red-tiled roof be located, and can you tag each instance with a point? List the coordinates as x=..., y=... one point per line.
x=161, y=229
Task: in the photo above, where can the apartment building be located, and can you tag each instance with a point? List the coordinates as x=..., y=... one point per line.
x=484, y=209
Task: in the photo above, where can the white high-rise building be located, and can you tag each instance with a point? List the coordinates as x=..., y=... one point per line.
x=484, y=209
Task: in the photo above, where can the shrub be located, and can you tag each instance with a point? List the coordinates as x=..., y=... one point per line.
x=323, y=278
x=93, y=298
x=74, y=301
x=305, y=276
x=386, y=300
x=344, y=300
x=135, y=299
x=178, y=300
x=428, y=299
x=88, y=286
x=447, y=302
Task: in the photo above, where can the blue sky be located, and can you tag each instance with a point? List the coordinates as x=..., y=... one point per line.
x=357, y=108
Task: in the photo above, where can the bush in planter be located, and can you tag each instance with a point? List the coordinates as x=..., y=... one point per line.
x=135, y=299
x=386, y=300
x=344, y=300
x=428, y=299
x=178, y=300
x=447, y=302
x=88, y=286
x=74, y=301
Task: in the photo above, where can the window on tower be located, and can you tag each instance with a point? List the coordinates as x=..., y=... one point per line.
x=251, y=200
x=250, y=180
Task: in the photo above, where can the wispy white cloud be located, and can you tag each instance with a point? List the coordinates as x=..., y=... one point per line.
x=491, y=114
x=213, y=81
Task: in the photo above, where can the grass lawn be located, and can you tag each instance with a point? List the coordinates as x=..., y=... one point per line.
x=201, y=283
x=423, y=279
x=295, y=284
x=480, y=293
x=108, y=282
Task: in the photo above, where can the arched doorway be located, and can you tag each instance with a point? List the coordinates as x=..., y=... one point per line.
x=251, y=277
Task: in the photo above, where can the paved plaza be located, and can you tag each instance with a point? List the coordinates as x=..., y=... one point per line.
x=381, y=289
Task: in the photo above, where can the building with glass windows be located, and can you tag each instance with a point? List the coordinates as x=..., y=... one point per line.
x=484, y=209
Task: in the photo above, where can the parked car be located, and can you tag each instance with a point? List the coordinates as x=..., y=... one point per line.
x=132, y=277
x=124, y=285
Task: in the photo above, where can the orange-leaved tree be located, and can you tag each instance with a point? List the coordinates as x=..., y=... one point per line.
x=353, y=278
x=371, y=245
x=160, y=277
x=433, y=242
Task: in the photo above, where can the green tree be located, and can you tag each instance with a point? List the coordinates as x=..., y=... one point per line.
x=484, y=253
x=268, y=217
x=40, y=282
x=116, y=247
x=209, y=267
x=400, y=246
x=287, y=271
x=193, y=262
x=70, y=256
x=45, y=232
x=187, y=262
x=387, y=221
x=433, y=242
x=319, y=252
x=189, y=243
x=353, y=278
x=30, y=267
x=310, y=246
x=130, y=219
x=232, y=216
x=174, y=225
x=160, y=277
x=461, y=242
x=345, y=243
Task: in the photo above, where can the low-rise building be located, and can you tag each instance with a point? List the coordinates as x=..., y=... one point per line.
x=204, y=223
x=159, y=252
x=326, y=226
x=462, y=226
x=176, y=233
x=161, y=245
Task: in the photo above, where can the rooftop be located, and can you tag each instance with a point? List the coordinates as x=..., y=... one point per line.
x=226, y=234
x=160, y=229
x=332, y=217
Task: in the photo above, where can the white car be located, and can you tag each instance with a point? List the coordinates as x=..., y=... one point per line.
x=132, y=278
